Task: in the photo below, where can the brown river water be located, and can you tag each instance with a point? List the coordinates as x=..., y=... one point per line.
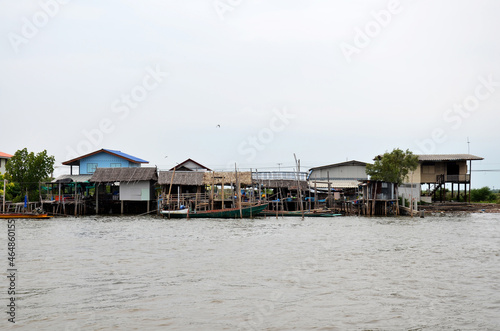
x=343, y=273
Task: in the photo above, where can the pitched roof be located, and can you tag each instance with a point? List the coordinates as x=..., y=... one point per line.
x=122, y=155
x=190, y=160
x=341, y=164
x=5, y=155
x=108, y=175
x=181, y=178
x=448, y=157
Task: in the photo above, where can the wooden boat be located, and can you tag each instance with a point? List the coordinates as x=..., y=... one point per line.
x=24, y=216
x=175, y=212
x=321, y=215
x=246, y=212
x=271, y=213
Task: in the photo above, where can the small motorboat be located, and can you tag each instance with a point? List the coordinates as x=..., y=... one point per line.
x=24, y=216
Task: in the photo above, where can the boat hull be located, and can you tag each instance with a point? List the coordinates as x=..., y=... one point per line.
x=299, y=214
x=24, y=216
x=246, y=212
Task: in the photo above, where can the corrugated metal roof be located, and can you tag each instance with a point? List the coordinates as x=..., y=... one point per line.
x=346, y=163
x=125, y=156
x=448, y=157
x=336, y=184
x=5, y=155
x=73, y=178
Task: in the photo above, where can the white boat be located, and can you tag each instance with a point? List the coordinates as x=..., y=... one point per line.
x=174, y=212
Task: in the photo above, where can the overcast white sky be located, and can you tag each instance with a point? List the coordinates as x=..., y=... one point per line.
x=327, y=80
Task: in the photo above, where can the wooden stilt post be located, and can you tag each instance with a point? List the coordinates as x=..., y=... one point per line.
x=329, y=188
x=222, y=193
x=470, y=176
x=198, y=193
x=232, y=195
x=97, y=199
x=299, y=189
x=374, y=197
x=309, y=200
x=259, y=183
x=277, y=202
x=315, y=196
x=76, y=199
x=239, y=191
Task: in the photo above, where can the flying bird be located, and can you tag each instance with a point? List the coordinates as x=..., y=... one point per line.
x=218, y=126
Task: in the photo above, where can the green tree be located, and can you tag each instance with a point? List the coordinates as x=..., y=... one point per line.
x=28, y=169
x=11, y=188
x=482, y=194
x=393, y=167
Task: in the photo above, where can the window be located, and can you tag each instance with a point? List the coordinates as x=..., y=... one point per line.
x=115, y=165
x=91, y=167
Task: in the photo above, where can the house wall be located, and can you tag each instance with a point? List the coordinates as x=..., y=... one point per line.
x=3, y=162
x=135, y=191
x=428, y=172
x=414, y=176
x=104, y=160
x=340, y=172
x=410, y=191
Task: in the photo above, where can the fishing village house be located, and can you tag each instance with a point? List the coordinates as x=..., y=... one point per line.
x=228, y=187
x=379, y=198
x=70, y=193
x=124, y=190
x=103, y=158
x=436, y=171
x=190, y=165
x=440, y=171
x=344, y=177
x=4, y=158
x=285, y=187
x=183, y=185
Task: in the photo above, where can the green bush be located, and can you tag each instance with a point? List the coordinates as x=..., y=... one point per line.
x=483, y=194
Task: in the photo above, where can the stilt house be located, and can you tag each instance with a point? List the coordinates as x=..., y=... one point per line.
x=124, y=190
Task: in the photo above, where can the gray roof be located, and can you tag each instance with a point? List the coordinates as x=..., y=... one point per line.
x=193, y=178
x=72, y=178
x=448, y=157
x=346, y=163
x=108, y=175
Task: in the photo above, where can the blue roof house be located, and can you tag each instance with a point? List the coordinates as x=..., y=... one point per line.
x=104, y=158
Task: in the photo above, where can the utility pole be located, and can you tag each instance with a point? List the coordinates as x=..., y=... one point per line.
x=297, y=163
x=4, y=192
